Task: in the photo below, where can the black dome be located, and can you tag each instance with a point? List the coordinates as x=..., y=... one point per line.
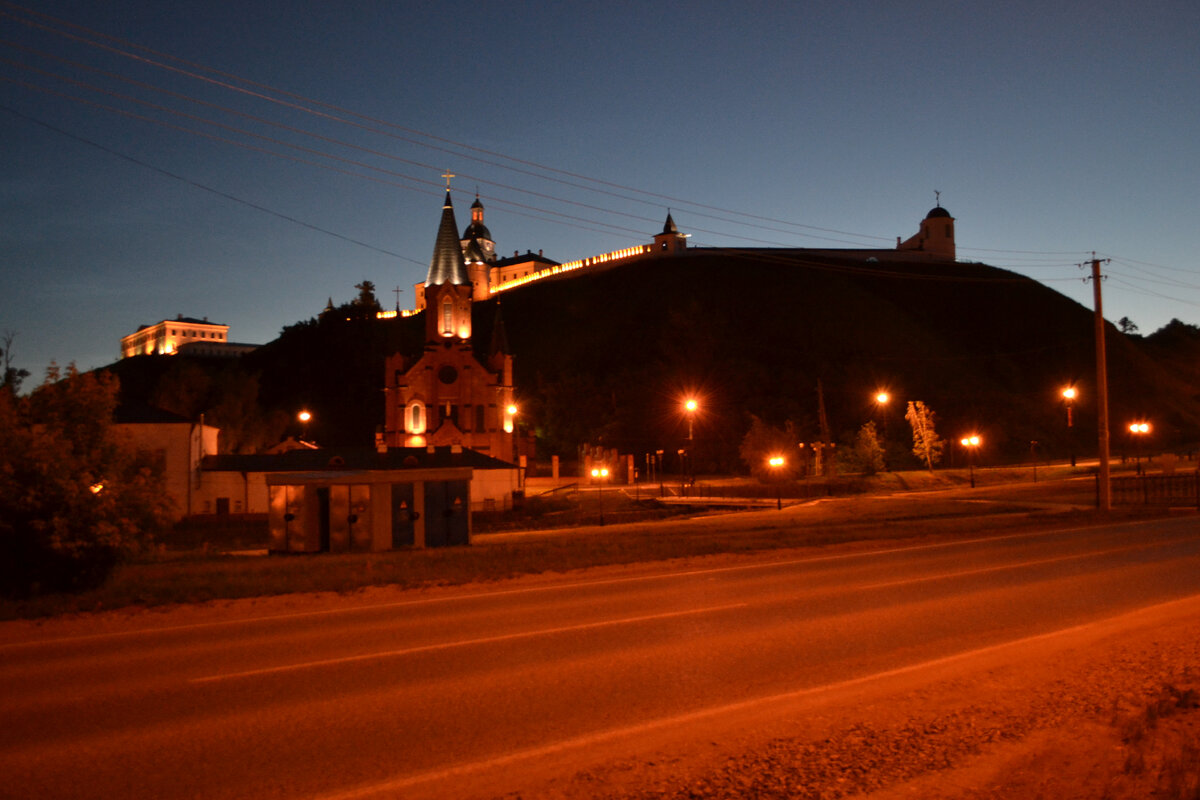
x=936, y=212
x=477, y=230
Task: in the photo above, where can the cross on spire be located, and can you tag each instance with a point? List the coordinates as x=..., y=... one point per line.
x=397, y=290
x=447, y=175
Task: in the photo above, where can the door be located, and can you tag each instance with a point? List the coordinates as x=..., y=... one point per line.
x=447, y=511
x=360, y=518
x=404, y=515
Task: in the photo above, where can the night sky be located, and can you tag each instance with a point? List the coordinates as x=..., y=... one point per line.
x=1051, y=130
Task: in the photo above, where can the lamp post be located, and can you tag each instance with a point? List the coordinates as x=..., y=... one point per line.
x=1069, y=394
x=1139, y=431
x=882, y=398
x=776, y=464
x=689, y=407
x=598, y=475
x=971, y=444
x=510, y=426
x=304, y=416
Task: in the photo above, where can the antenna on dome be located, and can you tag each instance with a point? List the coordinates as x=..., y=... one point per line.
x=937, y=195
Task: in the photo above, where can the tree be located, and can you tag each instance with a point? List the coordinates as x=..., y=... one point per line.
x=764, y=441
x=927, y=445
x=12, y=377
x=867, y=454
x=366, y=305
x=74, y=498
x=1127, y=326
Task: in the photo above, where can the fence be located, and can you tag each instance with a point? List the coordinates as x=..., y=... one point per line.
x=1157, y=490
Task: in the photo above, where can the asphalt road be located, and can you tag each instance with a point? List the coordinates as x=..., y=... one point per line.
x=428, y=694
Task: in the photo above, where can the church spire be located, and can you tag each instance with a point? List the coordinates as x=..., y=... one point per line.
x=447, y=265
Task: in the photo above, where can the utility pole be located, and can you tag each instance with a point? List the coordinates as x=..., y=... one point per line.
x=1104, y=487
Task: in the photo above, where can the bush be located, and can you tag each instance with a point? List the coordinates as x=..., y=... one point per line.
x=73, y=498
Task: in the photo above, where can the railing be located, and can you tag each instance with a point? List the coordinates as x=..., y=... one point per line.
x=1157, y=490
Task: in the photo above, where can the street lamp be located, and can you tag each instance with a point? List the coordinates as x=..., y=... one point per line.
x=1069, y=394
x=1139, y=431
x=776, y=464
x=882, y=398
x=689, y=407
x=598, y=475
x=971, y=443
x=304, y=417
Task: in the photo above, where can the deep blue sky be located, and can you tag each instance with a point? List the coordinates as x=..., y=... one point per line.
x=1051, y=129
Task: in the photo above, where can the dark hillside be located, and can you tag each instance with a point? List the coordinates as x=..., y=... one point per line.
x=754, y=331
x=606, y=356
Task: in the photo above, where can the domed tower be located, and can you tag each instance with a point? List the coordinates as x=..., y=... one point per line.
x=479, y=251
x=936, y=236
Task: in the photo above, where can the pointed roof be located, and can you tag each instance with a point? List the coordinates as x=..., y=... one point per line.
x=669, y=226
x=447, y=265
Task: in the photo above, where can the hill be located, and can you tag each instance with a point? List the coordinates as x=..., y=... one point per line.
x=606, y=356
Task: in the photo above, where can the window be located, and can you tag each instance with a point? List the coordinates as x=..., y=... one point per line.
x=447, y=318
x=479, y=424
x=416, y=420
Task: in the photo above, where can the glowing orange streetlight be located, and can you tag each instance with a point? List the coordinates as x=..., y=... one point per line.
x=882, y=398
x=690, y=407
x=304, y=416
x=776, y=463
x=598, y=476
x=1069, y=394
x=971, y=443
x=1139, y=431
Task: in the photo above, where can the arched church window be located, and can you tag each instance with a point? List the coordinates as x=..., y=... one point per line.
x=416, y=418
x=447, y=318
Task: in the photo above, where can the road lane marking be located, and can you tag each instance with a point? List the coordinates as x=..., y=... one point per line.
x=465, y=643
x=390, y=787
x=570, y=585
x=1033, y=562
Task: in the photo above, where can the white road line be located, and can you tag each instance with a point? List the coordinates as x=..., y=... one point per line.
x=464, y=643
x=587, y=740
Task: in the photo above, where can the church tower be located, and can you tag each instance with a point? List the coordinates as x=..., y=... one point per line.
x=479, y=251
x=447, y=396
x=448, y=285
x=936, y=235
x=670, y=240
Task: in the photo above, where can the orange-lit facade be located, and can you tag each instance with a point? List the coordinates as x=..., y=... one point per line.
x=166, y=337
x=448, y=395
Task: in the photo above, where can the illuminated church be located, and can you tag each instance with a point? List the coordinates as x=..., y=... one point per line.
x=449, y=395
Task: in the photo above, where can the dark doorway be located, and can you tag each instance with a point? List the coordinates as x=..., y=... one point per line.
x=403, y=515
x=323, y=516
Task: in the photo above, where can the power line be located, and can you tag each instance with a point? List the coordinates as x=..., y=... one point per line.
x=204, y=187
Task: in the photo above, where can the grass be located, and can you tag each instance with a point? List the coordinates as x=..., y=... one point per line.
x=1177, y=764
x=198, y=575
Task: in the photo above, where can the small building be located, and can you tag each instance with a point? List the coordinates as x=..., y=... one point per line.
x=359, y=499
x=179, y=442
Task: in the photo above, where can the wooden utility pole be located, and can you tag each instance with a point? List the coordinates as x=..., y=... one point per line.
x=1104, y=486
